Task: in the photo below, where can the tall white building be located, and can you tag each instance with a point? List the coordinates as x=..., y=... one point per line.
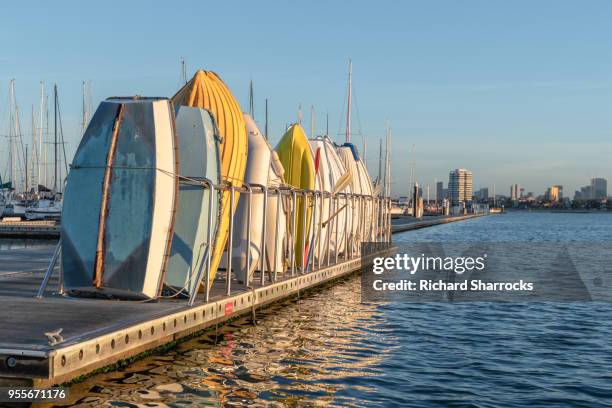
x=514, y=192
x=460, y=186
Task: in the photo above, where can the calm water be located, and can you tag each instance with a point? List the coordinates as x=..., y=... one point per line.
x=328, y=348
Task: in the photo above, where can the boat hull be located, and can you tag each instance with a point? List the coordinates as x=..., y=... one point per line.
x=199, y=159
x=331, y=169
x=207, y=91
x=296, y=157
x=263, y=168
x=119, y=203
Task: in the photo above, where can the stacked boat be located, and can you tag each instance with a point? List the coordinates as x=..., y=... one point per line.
x=165, y=192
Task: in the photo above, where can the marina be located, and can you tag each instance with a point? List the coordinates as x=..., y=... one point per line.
x=270, y=204
x=123, y=330
x=177, y=215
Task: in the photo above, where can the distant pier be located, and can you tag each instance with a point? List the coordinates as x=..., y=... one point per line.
x=29, y=229
x=410, y=223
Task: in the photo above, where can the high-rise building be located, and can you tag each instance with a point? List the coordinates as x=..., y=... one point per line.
x=599, y=188
x=555, y=193
x=460, y=186
x=482, y=194
x=514, y=192
x=439, y=192
x=585, y=193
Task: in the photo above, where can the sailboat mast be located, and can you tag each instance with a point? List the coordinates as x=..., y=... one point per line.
x=183, y=71
x=26, y=168
x=348, y=107
x=55, y=138
x=83, y=113
x=46, y=143
x=251, y=102
x=380, y=160
x=266, y=118
x=32, y=169
x=388, y=164
x=11, y=132
x=312, y=121
x=40, y=132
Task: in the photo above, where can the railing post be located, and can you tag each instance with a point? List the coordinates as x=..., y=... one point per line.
x=230, y=244
x=208, y=252
x=50, y=268
x=249, y=215
x=337, y=242
x=262, y=254
x=313, y=240
x=276, y=232
x=293, y=231
x=304, y=235
x=60, y=281
x=320, y=249
x=329, y=226
x=346, y=226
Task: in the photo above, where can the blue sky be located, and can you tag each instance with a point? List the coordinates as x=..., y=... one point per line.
x=518, y=92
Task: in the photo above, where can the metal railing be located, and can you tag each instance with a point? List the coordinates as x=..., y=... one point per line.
x=365, y=218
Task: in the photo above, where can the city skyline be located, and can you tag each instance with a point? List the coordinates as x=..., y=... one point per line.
x=460, y=181
x=506, y=90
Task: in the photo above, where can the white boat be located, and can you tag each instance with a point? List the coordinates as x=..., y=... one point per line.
x=263, y=168
x=14, y=208
x=2, y=204
x=363, y=212
x=329, y=178
x=44, y=209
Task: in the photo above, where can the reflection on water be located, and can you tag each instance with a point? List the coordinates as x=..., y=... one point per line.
x=323, y=348
x=330, y=349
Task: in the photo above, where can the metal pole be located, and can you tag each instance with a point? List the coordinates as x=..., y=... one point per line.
x=60, y=281
x=230, y=244
x=262, y=254
x=388, y=217
x=248, y=254
x=293, y=230
x=337, y=242
x=50, y=268
x=311, y=250
x=208, y=251
x=320, y=248
x=330, y=225
x=304, y=237
x=276, y=232
x=346, y=227
x=378, y=210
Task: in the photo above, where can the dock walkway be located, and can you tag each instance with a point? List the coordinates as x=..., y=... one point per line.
x=409, y=223
x=29, y=229
x=97, y=333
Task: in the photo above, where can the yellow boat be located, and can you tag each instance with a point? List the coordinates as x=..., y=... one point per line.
x=296, y=156
x=207, y=91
